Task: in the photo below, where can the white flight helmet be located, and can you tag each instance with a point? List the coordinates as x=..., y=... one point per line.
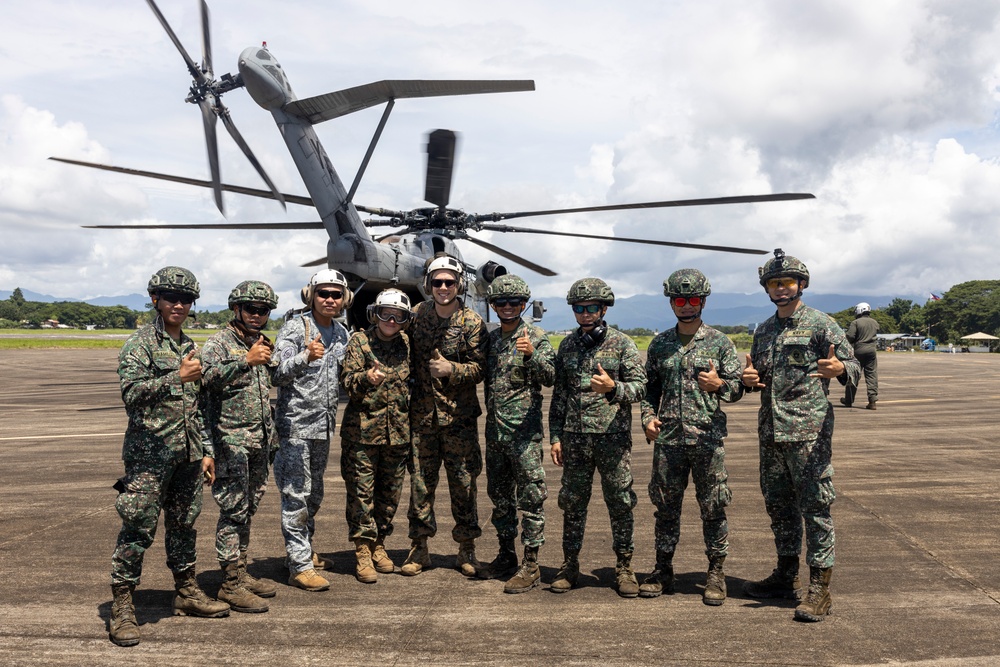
x=445, y=263
x=390, y=298
x=861, y=309
x=327, y=277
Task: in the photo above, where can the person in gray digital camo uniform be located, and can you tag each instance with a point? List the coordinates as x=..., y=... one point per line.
x=690, y=370
x=519, y=362
x=375, y=432
x=236, y=385
x=598, y=376
x=794, y=356
x=166, y=452
x=309, y=350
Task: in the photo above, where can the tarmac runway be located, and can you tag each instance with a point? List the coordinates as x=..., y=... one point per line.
x=917, y=580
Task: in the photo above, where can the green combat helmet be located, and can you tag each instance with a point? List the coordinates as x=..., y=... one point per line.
x=510, y=286
x=590, y=289
x=687, y=282
x=783, y=265
x=174, y=279
x=253, y=291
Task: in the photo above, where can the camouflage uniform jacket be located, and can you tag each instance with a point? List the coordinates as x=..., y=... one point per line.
x=307, y=392
x=514, y=384
x=577, y=409
x=442, y=401
x=785, y=352
x=687, y=413
x=164, y=415
x=235, y=395
x=376, y=415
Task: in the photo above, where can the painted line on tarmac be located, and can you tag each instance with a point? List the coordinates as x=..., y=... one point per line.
x=59, y=437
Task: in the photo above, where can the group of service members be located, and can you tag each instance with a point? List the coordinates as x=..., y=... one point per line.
x=411, y=378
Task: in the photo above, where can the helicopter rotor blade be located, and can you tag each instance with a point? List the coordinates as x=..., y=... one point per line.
x=711, y=201
x=322, y=261
x=238, y=138
x=208, y=118
x=517, y=259
x=440, y=166
x=673, y=244
x=196, y=72
x=206, y=41
x=216, y=225
x=238, y=189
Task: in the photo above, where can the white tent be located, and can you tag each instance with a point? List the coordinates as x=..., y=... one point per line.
x=979, y=335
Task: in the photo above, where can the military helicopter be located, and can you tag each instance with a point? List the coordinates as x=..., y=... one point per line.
x=397, y=258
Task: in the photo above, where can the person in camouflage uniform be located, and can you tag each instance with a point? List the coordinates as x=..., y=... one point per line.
x=598, y=376
x=309, y=350
x=519, y=362
x=236, y=385
x=166, y=452
x=690, y=370
x=794, y=356
x=447, y=362
x=375, y=431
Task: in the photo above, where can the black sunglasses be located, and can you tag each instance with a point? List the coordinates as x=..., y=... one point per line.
x=177, y=297
x=589, y=308
x=329, y=294
x=503, y=303
x=256, y=310
x=440, y=282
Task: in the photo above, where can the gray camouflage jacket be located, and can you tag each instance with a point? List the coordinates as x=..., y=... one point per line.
x=307, y=392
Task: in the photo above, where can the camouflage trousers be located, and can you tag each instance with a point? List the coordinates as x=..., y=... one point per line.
x=611, y=456
x=457, y=447
x=299, y=466
x=173, y=486
x=796, y=479
x=705, y=462
x=373, y=478
x=240, y=482
x=869, y=363
x=515, y=480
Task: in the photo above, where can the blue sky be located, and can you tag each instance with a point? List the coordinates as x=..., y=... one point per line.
x=886, y=111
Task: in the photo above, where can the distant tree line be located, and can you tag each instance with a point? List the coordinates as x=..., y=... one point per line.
x=16, y=312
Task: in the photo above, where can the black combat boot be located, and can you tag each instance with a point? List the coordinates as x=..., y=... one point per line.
x=504, y=565
x=628, y=586
x=661, y=580
x=527, y=576
x=568, y=574
x=783, y=582
x=817, y=603
x=123, y=629
x=715, y=583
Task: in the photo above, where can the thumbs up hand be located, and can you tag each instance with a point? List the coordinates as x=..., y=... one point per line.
x=751, y=378
x=440, y=367
x=524, y=346
x=709, y=381
x=601, y=382
x=259, y=353
x=375, y=374
x=190, y=368
x=316, y=348
x=830, y=367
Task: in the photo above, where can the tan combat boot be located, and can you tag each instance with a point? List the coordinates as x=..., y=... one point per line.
x=527, y=576
x=871, y=406
x=320, y=563
x=660, y=580
x=715, y=583
x=465, y=561
x=236, y=595
x=568, y=574
x=628, y=586
x=783, y=582
x=380, y=558
x=308, y=580
x=817, y=602
x=364, y=571
x=418, y=560
x=259, y=587
x=123, y=629
x=190, y=600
